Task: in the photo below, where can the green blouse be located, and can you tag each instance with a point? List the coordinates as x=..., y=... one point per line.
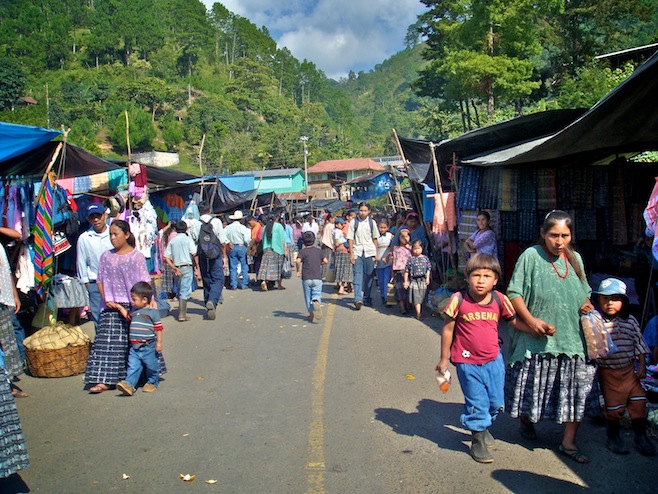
x=278, y=238
x=552, y=299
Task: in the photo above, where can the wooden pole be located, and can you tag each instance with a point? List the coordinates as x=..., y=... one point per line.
x=254, y=201
x=398, y=189
x=203, y=141
x=439, y=189
x=58, y=149
x=127, y=134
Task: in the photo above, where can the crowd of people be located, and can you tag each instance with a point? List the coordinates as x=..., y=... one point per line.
x=545, y=373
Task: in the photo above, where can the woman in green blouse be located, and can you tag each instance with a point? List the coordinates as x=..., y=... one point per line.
x=548, y=376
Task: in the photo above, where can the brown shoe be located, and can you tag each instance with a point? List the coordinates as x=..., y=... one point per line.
x=149, y=388
x=125, y=388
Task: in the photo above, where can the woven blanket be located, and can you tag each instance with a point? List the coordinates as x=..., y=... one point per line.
x=507, y=193
x=469, y=182
x=488, y=189
x=546, y=189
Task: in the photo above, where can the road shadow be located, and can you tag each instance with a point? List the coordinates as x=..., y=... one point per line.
x=289, y=315
x=430, y=421
x=521, y=482
x=13, y=484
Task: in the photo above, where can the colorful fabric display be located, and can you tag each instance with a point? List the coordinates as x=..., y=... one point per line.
x=527, y=190
x=469, y=182
x=601, y=184
x=43, y=236
x=488, y=188
x=565, y=178
x=99, y=182
x=507, y=195
x=585, y=224
x=117, y=178
x=582, y=188
x=438, y=219
x=509, y=225
x=546, y=189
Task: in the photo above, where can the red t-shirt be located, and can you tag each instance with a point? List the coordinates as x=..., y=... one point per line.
x=475, y=339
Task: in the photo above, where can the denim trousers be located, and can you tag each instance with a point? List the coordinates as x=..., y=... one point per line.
x=312, y=291
x=94, y=303
x=364, y=268
x=484, y=397
x=383, y=278
x=142, y=357
x=184, y=282
x=238, y=256
x=212, y=272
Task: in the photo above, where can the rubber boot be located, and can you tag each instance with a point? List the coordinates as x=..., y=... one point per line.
x=489, y=440
x=642, y=442
x=614, y=441
x=479, y=450
x=182, y=310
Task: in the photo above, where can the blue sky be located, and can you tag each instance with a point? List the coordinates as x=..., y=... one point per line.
x=336, y=35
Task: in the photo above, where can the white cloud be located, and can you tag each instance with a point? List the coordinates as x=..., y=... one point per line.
x=336, y=35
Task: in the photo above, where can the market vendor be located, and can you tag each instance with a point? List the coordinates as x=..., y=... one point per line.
x=91, y=245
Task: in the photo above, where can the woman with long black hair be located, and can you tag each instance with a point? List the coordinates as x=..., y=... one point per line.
x=274, y=250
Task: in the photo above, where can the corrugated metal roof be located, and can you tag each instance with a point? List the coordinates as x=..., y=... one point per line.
x=346, y=165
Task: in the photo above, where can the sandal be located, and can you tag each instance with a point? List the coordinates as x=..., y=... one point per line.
x=99, y=388
x=18, y=392
x=527, y=428
x=575, y=454
x=263, y=286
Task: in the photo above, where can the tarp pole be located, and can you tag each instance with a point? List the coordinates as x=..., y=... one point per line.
x=439, y=189
x=203, y=141
x=254, y=201
x=398, y=189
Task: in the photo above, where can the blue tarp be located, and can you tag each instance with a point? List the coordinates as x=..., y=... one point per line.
x=19, y=139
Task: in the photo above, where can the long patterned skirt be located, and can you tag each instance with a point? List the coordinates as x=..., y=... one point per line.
x=270, y=266
x=13, y=362
x=13, y=454
x=344, y=268
x=108, y=359
x=417, y=291
x=327, y=252
x=554, y=388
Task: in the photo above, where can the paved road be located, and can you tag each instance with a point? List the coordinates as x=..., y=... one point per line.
x=264, y=402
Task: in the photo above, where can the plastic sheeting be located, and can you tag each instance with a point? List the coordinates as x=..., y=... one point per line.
x=20, y=139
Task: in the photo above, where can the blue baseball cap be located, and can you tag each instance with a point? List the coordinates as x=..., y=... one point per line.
x=612, y=286
x=95, y=208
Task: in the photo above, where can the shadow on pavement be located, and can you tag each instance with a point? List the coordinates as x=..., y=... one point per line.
x=423, y=423
x=527, y=482
x=13, y=484
x=291, y=315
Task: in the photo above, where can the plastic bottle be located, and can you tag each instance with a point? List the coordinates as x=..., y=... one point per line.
x=443, y=380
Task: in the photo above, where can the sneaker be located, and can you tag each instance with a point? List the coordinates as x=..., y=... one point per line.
x=211, y=310
x=317, y=309
x=149, y=388
x=125, y=388
x=357, y=305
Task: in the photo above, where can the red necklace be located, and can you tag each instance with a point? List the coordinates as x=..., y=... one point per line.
x=566, y=263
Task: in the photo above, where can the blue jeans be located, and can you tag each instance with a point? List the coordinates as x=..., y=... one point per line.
x=383, y=278
x=364, y=268
x=94, y=303
x=312, y=291
x=141, y=358
x=212, y=272
x=484, y=397
x=238, y=256
x=184, y=282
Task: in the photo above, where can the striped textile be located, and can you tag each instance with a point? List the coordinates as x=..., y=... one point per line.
x=109, y=353
x=546, y=189
x=601, y=187
x=270, y=266
x=344, y=268
x=582, y=188
x=507, y=195
x=417, y=291
x=469, y=184
x=13, y=453
x=43, y=236
x=551, y=387
x=488, y=188
x=12, y=357
x=585, y=224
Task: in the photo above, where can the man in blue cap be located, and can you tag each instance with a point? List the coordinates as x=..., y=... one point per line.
x=91, y=244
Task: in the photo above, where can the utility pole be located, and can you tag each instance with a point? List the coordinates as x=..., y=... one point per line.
x=304, y=139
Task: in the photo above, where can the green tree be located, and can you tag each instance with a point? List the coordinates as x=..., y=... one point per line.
x=142, y=131
x=12, y=82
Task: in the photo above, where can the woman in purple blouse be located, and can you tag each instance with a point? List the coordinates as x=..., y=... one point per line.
x=483, y=241
x=118, y=270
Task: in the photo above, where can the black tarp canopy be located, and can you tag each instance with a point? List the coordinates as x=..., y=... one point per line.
x=624, y=121
x=78, y=162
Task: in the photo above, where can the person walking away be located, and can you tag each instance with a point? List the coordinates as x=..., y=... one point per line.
x=179, y=256
x=362, y=238
x=470, y=340
x=238, y=237
x=384, y=269
x=310, y=225
x=417, y=277
x=211, y=242
x=548, y=376
x=620, y=382
x=145, y=337
x=327, y=242
x=255, y=247
x=91, y=245
x=483, y=240
x=399, y=258
x=344, y=270
x=309, y=268
x=274, y=248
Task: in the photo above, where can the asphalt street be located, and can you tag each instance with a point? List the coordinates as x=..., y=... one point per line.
x=261, y=401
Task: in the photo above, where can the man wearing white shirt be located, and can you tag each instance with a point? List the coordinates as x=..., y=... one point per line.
x=212, y=270
x=362, y=235
x=91, y=244
x=239, y=237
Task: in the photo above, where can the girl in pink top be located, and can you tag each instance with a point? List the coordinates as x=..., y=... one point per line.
x=401, y=254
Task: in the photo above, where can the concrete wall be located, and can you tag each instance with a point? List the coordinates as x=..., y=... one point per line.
x=157, y=158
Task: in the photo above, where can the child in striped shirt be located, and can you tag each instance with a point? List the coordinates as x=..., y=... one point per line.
x=620, y=382
x=145, y=336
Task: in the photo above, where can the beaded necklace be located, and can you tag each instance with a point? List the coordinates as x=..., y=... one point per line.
x=566, y=263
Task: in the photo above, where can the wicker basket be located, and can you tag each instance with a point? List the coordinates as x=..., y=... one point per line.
x=65, y=362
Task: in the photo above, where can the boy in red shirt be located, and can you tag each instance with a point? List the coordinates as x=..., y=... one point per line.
x=469, y=340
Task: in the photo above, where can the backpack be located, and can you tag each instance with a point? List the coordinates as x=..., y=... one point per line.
x=372, y=226
x=208, y=242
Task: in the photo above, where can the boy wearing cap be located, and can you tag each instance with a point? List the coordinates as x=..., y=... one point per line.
x=620, y=382
x=179, y=255
x=91, y=244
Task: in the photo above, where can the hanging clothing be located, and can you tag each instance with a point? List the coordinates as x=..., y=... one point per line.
x=43, y=235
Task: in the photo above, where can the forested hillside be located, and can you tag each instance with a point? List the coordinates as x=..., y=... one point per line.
x=182, y=72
